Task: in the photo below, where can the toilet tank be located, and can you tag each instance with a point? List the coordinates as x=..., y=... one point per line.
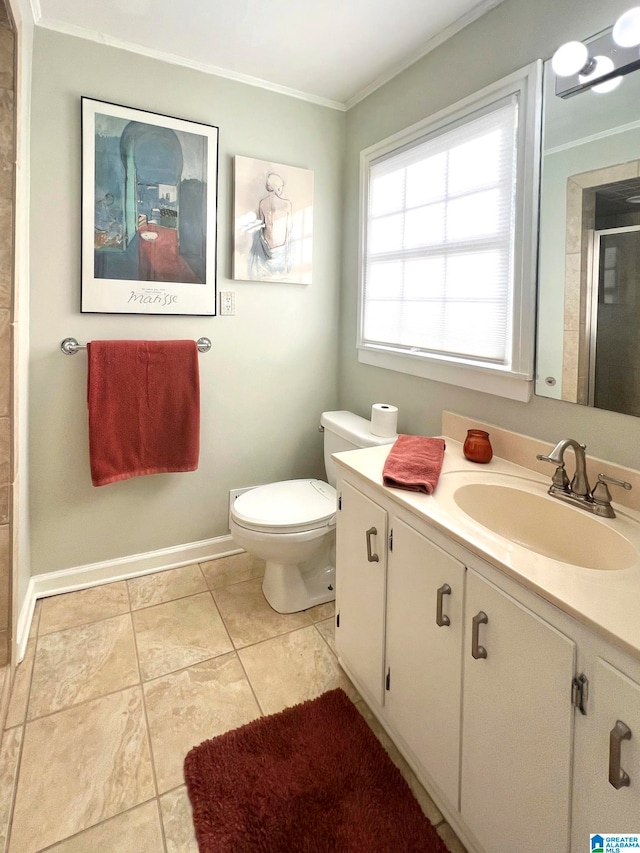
x=346, y=431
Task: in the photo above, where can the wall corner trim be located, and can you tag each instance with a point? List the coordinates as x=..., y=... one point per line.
x=109, y=571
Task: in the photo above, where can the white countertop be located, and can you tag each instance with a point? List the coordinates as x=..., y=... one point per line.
x=608, y=601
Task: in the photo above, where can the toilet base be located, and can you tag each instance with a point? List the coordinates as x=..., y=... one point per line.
x=290, y=588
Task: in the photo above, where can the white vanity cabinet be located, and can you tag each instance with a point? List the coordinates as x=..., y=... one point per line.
x=425, y=596
x=491, y=737
x=516, y=705
x=518, y=724
x=606, y=795
x=361, y=547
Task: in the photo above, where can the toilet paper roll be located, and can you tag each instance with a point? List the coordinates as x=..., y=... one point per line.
x=384, y=420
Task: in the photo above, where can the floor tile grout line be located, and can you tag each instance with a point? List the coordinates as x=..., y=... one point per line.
x=36, y=610
x=142, y=681
x=14, y=792
x=210, y=657
x=133, y=609
x=233, y=583
x=130, y=607
x=83, y=624
x=100, y=586
x=230, y=583
x=163, y=834
x=263, y=639
x=94, y=825
x=181, y=598
x=169, y=600
x=315, y=625
x=150, y=747
x=139, y=684
x=235, y=649
x=189, y=666
x=28, y=688
x=251, y=687
x=102, y=695
x=144, y=700
x=173, y=597
x=270, y=637
x=75, y=628
x=158, y=797
x=146, y=722
x=222, y=619
x=84, y=702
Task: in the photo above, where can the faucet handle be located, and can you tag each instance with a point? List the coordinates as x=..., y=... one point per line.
x=559, y=479
x=604, y=478
x=601, y=493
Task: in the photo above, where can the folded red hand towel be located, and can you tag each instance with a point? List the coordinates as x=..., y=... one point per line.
x=144, y=408
x=414, y=462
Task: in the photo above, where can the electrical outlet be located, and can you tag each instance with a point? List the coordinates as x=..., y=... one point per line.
x=227, y=303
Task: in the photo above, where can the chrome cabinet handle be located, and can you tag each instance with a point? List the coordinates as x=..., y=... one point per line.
x=442, y=621
x=477, y=650
x=371, y=557
x=617, y=777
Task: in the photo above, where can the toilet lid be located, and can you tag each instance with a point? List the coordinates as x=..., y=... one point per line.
x=288, y=506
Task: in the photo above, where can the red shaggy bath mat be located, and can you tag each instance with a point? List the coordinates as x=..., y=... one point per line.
x=311, y=779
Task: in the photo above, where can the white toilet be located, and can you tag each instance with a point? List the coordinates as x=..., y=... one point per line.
x=292, y=524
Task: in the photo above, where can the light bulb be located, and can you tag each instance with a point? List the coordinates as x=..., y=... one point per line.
x=570, y=58
x=626, y=30
x=602, y=65
x=607, y=86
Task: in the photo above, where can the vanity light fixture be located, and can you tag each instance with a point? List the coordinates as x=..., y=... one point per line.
x=600, y=64
x=626, y=30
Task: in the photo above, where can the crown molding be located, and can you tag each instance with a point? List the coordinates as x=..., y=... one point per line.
x=205, y=68
x=100, y=38
x=440, y=38
x=593, y=137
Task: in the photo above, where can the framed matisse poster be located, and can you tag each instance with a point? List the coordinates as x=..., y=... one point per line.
x=273, y=212
x=149, y=207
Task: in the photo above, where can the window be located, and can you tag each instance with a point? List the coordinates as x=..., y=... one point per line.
x=448, y=243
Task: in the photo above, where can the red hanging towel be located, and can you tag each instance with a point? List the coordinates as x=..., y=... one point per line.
x=144, y=408
x=414, y=463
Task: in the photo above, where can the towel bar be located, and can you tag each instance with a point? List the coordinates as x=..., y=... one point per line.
x=70, y=346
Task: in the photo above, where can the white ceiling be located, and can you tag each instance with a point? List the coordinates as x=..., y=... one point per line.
x=332, y=52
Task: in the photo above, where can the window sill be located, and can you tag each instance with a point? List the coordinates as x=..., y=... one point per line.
x=513, y=386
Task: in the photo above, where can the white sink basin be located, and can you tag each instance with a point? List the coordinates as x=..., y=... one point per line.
x=545, y=525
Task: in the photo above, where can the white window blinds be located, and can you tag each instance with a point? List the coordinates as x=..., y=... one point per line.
x=438, y=265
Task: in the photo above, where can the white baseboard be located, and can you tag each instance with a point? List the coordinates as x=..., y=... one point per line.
x=108, y=571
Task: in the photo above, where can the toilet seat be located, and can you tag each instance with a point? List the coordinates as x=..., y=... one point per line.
x=290, y=506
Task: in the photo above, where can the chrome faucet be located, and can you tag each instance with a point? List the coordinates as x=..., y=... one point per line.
x=580, y=484
x=578, y=491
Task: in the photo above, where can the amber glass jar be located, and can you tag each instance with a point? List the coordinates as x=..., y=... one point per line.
x=477, y=447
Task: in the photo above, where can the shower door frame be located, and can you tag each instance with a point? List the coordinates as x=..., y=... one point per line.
x=591, y=330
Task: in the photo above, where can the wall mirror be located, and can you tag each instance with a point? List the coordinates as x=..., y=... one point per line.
x=588, y=324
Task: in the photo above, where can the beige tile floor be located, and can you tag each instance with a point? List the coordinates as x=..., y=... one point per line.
x=120, y=681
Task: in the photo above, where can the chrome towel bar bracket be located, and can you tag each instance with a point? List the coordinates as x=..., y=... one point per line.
x=70, y=346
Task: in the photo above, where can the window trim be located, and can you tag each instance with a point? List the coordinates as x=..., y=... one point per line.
x=515, y=382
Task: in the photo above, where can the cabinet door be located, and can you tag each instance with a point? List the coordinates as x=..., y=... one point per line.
x=424, y=653
x=361, y=566
x=600, y=806
x=517, y=725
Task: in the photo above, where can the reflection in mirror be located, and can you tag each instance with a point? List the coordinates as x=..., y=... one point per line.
x=588, y=338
